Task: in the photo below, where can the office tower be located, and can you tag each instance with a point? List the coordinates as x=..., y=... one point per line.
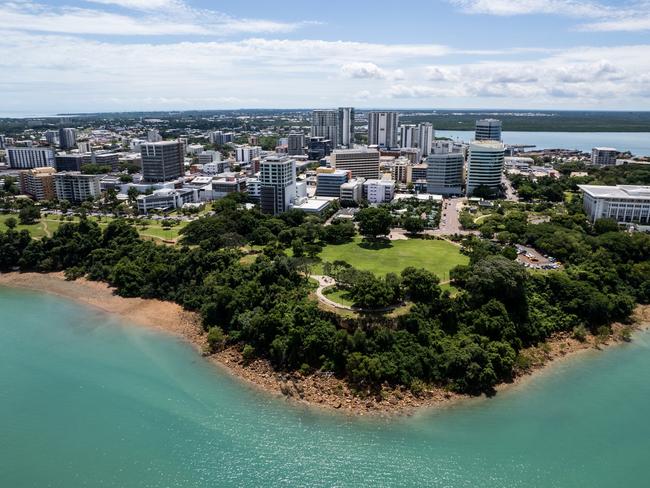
x=445, y=173
x=71, y=162
x=52, y=137
x=296, y=144
x=409, y=135
x=102, y=158
x=30, y=157
x=361, y=163
x=38, y=183
x=318, y=148
x=76, y=187
x=329, y=181
x=277, y=184
x=485, y=165
x=84, y=147
x=245, y=153
x=426, y=136
x=346, y=127
x=162, y=161
x=604, y=156
x=209, y=157
x=324, y=123
x=154, y=136
x=67, y=138
x=488, y=130
x=382, y=129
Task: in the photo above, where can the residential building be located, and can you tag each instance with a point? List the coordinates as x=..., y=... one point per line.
x=71, y=161
x=329, y=181
x=296, y=144
x=485, y=165
x=76, y=187
x=84, y=146
x=318, y=148
x=162, y=161
x=382, y=129
x=30, y=157
x=67, y=138
x=623, y=203
x=278, y=184
x=215, y=168
x=378, y=191
x=352, y=191
x=361, y=163
x=413, y=154
x=254, y=188
x=604, y=156
x=245, y=153
x=52, y=137
x=220, y=138
x=409, y=135
x=154, y=136
x=346, y=127
x=488, y=130
x=209, y=157
x=166, y=199
x=3, y=141
x=324, y=123
x=38, y=183
x=401, y=171
x=426, y=136
x=445, y=173
x=194, y=149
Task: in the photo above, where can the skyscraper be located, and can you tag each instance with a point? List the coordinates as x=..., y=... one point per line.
x=296, y=144
x=382, y=129
x=485, y=165
x=324, y=123
x=346, y=127
x=488, y=130
x=426, y=135
x=445, y=173
x=278, y=184
x=409, y=135
x=52, y=137
x=67, y=138
x=162, y=161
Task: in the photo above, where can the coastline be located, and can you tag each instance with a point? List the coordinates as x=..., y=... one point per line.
x=320, y=391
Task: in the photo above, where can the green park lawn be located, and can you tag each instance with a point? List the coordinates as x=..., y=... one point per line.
x=383, y=257
x=338, y=296
x=37, y=230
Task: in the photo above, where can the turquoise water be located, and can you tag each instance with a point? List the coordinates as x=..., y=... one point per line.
x=638, y=143
x=85, y=401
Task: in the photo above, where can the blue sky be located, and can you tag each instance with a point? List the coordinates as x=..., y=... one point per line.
x=101, y=55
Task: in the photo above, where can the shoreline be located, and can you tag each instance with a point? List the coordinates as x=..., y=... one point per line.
x=320, y=391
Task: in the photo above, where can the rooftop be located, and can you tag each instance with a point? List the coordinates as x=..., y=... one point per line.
x=618, y=191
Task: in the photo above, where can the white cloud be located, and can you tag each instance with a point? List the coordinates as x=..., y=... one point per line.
x=140, y=4
x=363, y=70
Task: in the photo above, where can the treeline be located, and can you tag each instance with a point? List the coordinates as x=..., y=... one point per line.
x=469, y=342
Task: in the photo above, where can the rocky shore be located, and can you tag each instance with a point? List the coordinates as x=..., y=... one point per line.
x=322, y=390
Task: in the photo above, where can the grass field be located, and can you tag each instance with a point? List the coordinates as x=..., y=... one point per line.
x=338, y=296
x=393, y=256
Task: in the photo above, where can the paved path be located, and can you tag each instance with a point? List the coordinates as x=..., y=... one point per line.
x=449, y=221
x=327, y=281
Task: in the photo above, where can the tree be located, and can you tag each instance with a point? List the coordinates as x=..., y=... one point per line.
x=420, y=285
x=29, y=214
x=413, y=225
x=602, y=226
x=11, y=223
x=132, y=194
x=374, y=222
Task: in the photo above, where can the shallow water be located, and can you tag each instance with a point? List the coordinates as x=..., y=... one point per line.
x=86, y=401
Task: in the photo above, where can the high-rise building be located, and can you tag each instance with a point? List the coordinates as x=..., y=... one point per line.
x=409, y=135
x=246, y=153
x=67, y=138
x=324, y=123
x=220, y=138
x=329, y=181
x=361, y=163
x=277, y=184
x=76, y=187
x=72, y=162
x=445, y=173
x=485, y=165
x=30, y=157
x=52, y=137
x=382, y=129
x=604, y=156
x=296, y=144
x=3, y=141
x=426, y=136
x=318, y=148
x=38, y=183
x=346, y=127
x=488, y=130
x=162, y=161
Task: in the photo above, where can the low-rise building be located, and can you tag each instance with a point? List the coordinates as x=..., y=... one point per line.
x=38, y=183
x=329, y=181
x=604, y=156
x=352, y=191
x=623, y=203
x=166, y=199
x=378, y=191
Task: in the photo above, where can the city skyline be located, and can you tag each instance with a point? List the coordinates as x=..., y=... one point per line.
x=135, y=55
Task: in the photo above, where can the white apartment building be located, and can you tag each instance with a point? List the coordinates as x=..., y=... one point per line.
x=604, y=156
x=623, y=203
x=426, y=136
x=325, y=123
x=246, y=153
x=382, y=129
x=379, y=191
x=30, y=157
x=278, y=184
x=485, y=165
x=352, y=191
x=76, y=187
x=346, y=127
x=409, y=135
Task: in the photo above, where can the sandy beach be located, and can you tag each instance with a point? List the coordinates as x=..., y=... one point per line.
x=315, y=390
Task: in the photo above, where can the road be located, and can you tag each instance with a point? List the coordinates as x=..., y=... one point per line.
x=449, y=222
x=511, y=195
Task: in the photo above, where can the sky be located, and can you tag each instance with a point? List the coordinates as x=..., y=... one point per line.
x=125, y=55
